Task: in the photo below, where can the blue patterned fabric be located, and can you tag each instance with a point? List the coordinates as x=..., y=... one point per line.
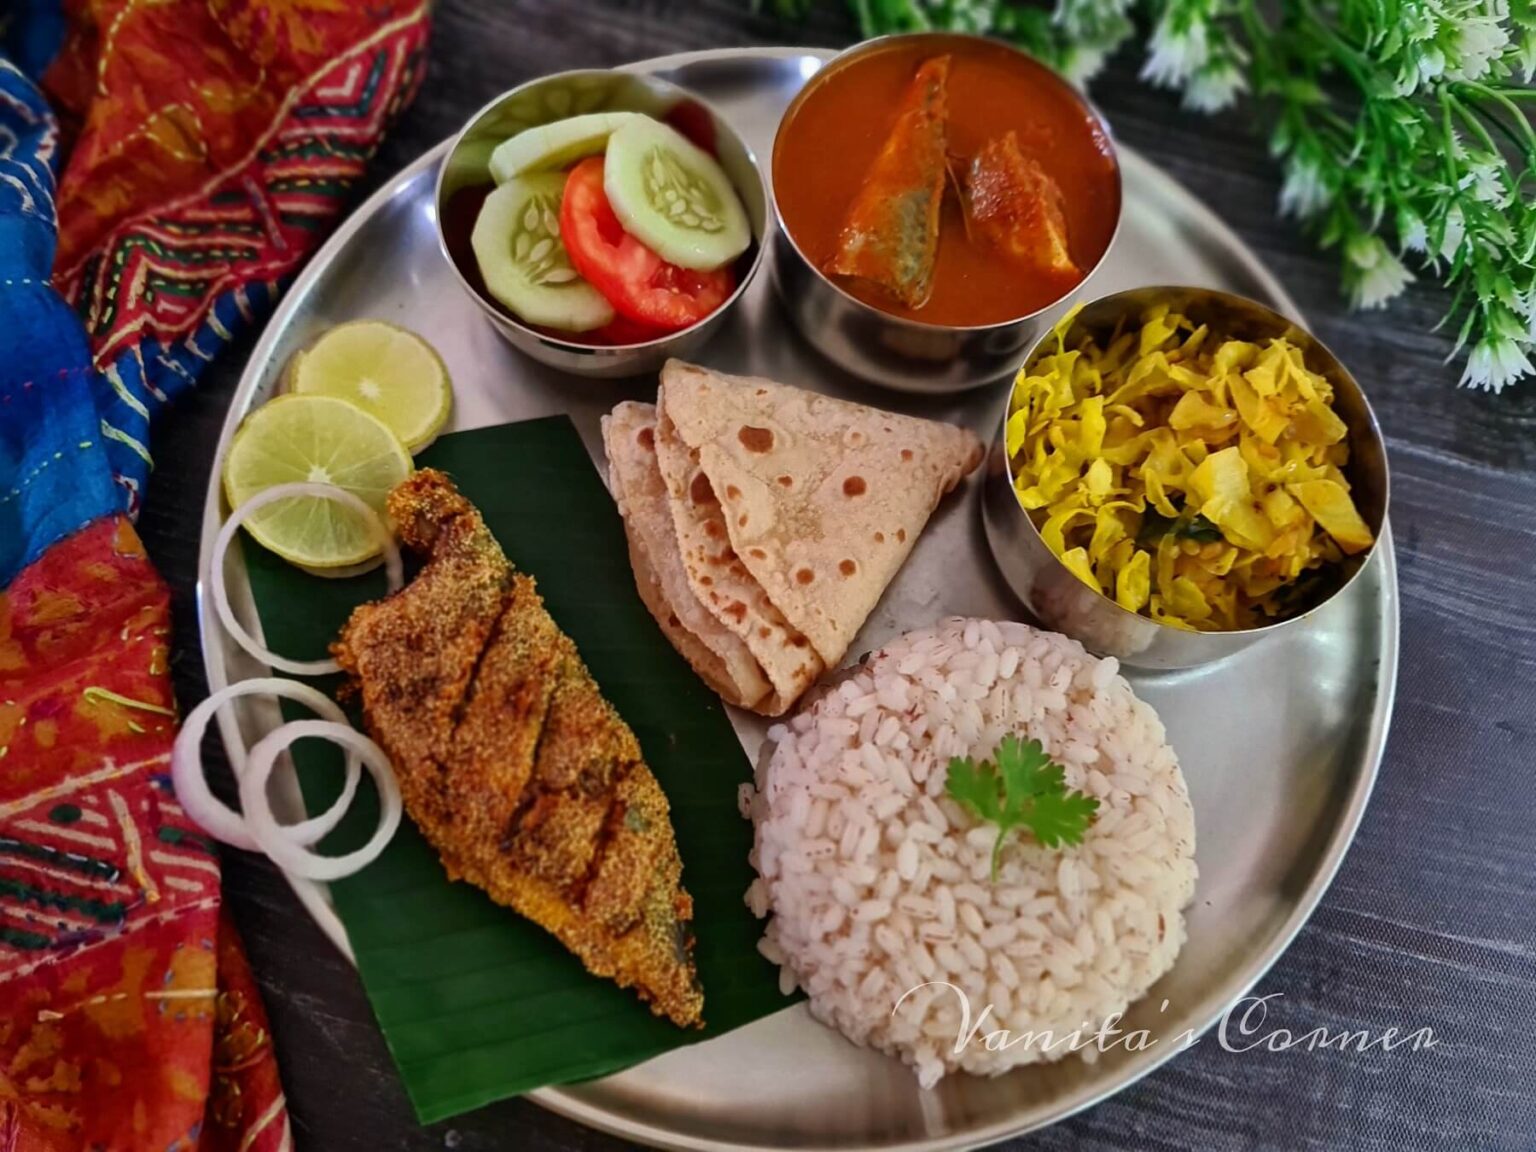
x=73, y=439
x=132, y=389
x=80, y=393
x=55, y=474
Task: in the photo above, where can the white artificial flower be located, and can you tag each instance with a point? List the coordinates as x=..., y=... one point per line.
x=1083, y=62
x=1091, y=31
x=1374, y=274
x=1495, y=362
x=1431, y=64
x=1304, y=193
x=1524, y=326
x=1090, y=21
x=1412, y=230
x=1214, y=87
x=1480, y=40
x=1419, y=21
x=1525, y=56
x=1407, y=82
x=1484, y=177
x=972, y=16
x=1455, y=232
x=1175, y=54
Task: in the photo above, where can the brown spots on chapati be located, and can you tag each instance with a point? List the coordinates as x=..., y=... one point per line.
x=674, y=621
x=706, y=579
x=712, y=529
x=879, y=537
x=755, y=439
x=736, y=610
x=732, y=492
x=854, y=486
x=757, y=554
x=762, y=391
x=901, y=535
x=799, y=641
x=741, y=521
x=847, y=567
x=738, y=570
x=700, y=491
x=646, y=438
x=787, y=481
x=764, y=631
x=906, y=453
x=804, y=576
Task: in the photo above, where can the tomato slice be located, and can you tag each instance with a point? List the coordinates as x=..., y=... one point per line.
x=638, y=283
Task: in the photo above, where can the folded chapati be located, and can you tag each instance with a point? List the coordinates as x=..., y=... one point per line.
x=720, y=580
x=766, y=521
x=720, y=656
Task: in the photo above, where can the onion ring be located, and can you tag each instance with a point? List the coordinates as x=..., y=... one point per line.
x=212, y=814
x=237, y=517
x=263, y=824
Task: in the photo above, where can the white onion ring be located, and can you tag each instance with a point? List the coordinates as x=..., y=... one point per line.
x=212, y=814
x=263, y=824
x=271, y=495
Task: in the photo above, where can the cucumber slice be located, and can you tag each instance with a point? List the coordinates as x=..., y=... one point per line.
x=673, y=197
x=550, y=146
x=518, y=247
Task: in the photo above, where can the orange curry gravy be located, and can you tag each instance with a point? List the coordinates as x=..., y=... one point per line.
x=830, y=138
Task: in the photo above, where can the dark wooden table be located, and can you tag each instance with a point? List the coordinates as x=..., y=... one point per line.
x=1431, y=922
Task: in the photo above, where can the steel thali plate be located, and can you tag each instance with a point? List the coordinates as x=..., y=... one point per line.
x=1280, y=744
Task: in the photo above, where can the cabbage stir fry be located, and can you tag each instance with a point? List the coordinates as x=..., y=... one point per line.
x=1193, y=479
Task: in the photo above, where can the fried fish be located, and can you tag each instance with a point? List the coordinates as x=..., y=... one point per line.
x=520, y=774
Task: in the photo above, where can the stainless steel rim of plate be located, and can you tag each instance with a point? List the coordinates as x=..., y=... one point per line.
x=1280, y=766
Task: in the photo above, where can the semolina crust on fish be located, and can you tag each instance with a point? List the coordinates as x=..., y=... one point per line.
x=520, y=774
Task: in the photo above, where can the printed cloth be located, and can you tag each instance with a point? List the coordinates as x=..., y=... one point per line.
x=128, y=1019
x=165, y=166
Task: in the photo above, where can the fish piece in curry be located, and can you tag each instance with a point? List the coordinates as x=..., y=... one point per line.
x=890, y=238
x=1012, y=204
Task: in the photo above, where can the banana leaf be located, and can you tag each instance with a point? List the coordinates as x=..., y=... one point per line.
x=476, y=1003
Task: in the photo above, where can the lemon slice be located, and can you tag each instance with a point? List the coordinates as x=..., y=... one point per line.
x=321, y=440
x=386, y=371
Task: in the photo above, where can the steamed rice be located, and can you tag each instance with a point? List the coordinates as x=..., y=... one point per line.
x=877, y=882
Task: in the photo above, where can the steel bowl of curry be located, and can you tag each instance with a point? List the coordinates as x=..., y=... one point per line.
x=938, y=195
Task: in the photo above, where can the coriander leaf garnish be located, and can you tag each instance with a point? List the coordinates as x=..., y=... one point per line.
x=1154, y=526
x=1024, y=789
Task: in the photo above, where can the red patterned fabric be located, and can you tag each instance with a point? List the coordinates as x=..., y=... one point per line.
x=217, y=138
x=213, y=143
x=127, y=1016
